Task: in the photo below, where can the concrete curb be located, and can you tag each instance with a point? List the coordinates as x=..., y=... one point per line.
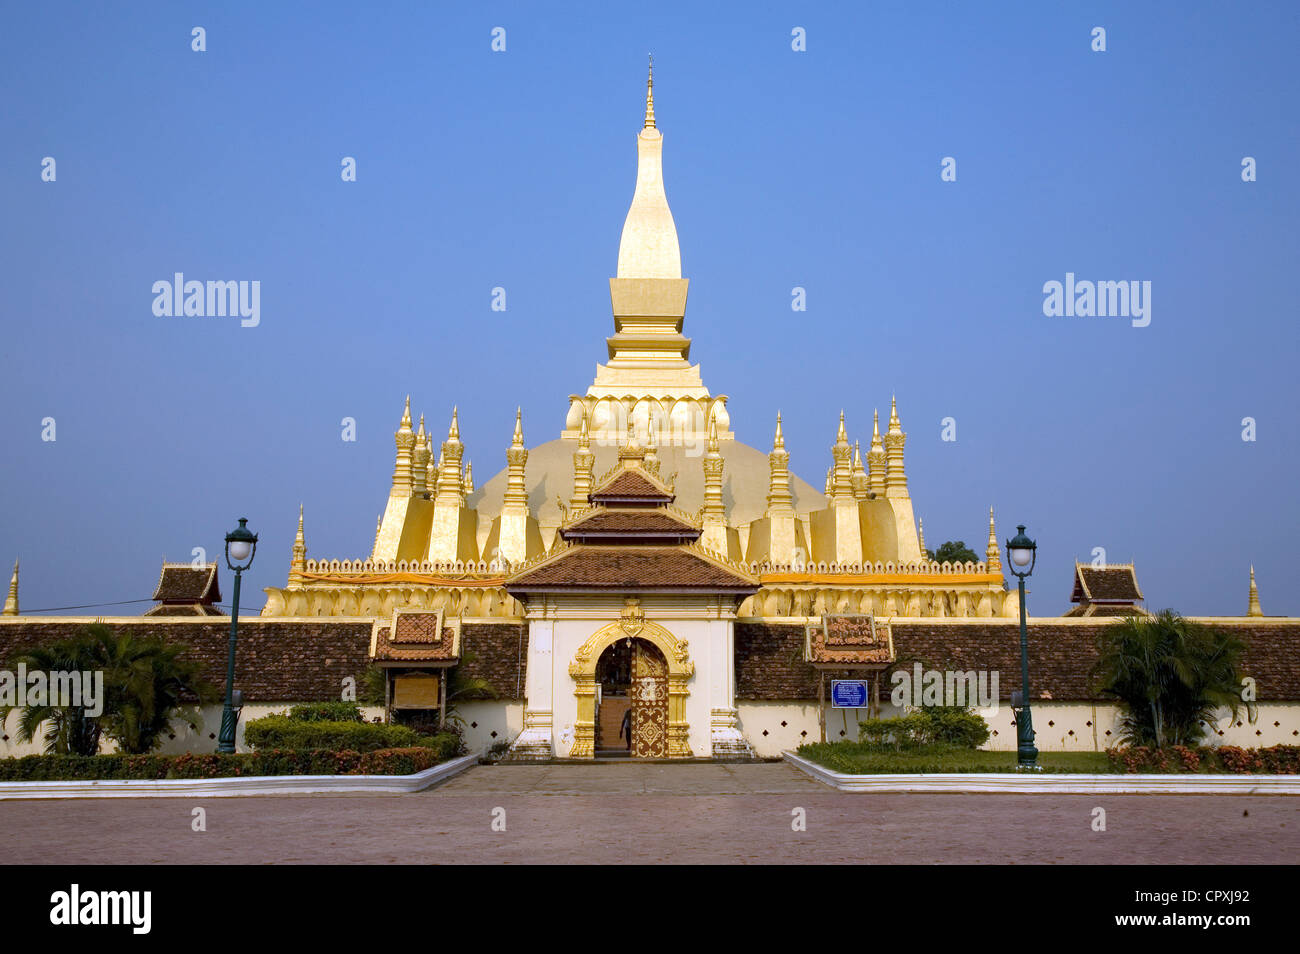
x=1047, y=783
x=251, y=785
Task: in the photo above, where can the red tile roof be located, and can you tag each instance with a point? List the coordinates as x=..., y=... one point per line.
x=632, y=568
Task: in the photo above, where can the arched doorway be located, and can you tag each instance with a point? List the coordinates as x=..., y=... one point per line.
x=631, y=701
x=582, y=669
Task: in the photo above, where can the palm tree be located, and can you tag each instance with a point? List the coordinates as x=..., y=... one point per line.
x=147, y=682
x=69, y=730
x=1172, y=676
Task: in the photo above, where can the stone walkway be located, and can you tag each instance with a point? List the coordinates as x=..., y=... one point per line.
x=652, y=813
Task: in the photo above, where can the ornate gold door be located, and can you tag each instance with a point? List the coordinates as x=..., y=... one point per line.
x=649, y=702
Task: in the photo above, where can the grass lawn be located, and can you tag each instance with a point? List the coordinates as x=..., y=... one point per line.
x=856, y=758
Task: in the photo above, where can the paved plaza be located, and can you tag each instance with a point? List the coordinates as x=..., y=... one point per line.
x=647, y=813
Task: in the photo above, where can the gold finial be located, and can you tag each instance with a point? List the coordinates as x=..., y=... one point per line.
x=650, y=95
x=857, y=455
x=778, y=442
x=713, y=434
x=894, y=423
x=518, y=440
x=920, y=535
x=469, y=477
x=11, y=601
x=584, y=435
x=406, y=414
x=992, y=555
x=420, y=433
x=298, y=563
x=1253, y=610
x=453, y=432
x=841, y=437
x=875, y=426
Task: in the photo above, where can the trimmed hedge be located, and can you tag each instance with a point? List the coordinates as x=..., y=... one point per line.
x=326, y=712
x=932, y=726
x=51, y=768
x=1275, y=760
x=283, y=732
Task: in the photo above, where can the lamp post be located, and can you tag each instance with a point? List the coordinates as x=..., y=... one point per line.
x=1022, y=553
x=241, y=544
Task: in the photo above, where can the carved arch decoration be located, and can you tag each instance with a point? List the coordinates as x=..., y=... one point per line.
x=583, y=670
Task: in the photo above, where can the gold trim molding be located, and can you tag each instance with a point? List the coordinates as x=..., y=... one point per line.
x=583, y=671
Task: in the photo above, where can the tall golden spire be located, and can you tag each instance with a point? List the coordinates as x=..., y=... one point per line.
x=404, y=438
x=1253, y=610
x=861, y=482
x=449, y=489
x=895, y=439
x=714, y=535
x=650, y=96
x=842, y=451
x=876, y=459
x=779, y=498
x=992, y=556
x=420, y=466
x=649, y=248
x=583, y=463
x=516, y=461
x=298, y=563
x=11, y=601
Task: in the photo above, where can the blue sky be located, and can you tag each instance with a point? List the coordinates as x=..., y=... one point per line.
x=819, y=169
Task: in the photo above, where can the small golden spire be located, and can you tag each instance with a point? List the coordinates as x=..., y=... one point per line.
x=713, y=434
x=992, y=556
x=518, y=440
x=841, y=436
x=453, y=433
x=920, y=535
x=299, y=561
x=584, y=435
x=895, y=426
x=778, y=442
x=650, y=95
x=469, y=477
x=406, y=415
x=1253, y=610
x=11, y=601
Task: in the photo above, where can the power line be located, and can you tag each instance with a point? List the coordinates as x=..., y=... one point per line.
x=52, y=609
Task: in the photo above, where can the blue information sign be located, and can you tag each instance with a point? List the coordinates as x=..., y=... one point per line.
x=848, y=693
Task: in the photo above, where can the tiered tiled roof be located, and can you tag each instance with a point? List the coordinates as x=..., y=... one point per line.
x=416, y=637
x=1105, y=590
x=186, y=590
x=631, y=540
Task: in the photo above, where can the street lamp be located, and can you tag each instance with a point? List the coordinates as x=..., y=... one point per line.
x=1023, y=554
x=241, y=544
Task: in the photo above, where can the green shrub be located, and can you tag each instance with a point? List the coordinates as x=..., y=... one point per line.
x=326, y=712
x=282, y=732
x=942, y=725
x=46, y=768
